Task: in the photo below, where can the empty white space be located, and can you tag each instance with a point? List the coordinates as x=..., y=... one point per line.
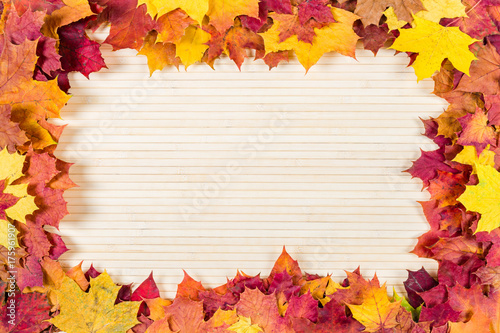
x=214, y=171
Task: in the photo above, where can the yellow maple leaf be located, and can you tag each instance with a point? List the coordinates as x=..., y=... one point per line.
x=321, y=288
x=224, y=317
x=24, y=206
x=338, y=37
x=94, y=311
x=5, y=228
x=468, y=156
x=392, y=20
x=11, y=168
x=244, y=325
x=434, y=43
x=192, y=46
x=376, y=312
x=223, y=12
x=436, y=10
x=484, y=198
x=196, y=9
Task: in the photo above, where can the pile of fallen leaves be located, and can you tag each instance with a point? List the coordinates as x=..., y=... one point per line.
x=457, y=43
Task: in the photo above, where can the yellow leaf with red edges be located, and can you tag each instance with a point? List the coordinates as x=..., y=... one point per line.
x=338, y=37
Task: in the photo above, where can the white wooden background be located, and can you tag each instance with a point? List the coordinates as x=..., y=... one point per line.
x=313, y=162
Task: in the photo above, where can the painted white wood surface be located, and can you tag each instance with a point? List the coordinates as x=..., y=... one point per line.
x=213, y=171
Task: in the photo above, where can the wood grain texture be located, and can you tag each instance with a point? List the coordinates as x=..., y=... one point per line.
x=213, y=171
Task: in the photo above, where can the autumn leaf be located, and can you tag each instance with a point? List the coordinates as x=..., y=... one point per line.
x=418, y=282
x=192, y=46
x=484, y=198
x=94, y=311
x=159, y=55
x=338, y=37
x=476, y=131
x=291, y=25
x=376, y=312
x=196, y=9
x=469, y=156
x=484, y=73
x=244, y=325
x=435, y=43
x=478, y=23
x=172, y=26
x=15, y=202
x=79, y=53
x=223, y=12
x=11, y=135
x=31, y=313
x=370, y=11
x=74, y=10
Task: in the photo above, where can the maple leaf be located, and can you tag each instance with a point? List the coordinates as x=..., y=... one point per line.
x=262, y=310
x=435, y=43
x=373, y=37
x=315, y=9
x=93, y=311
x=130, y=23
x=438, y=9
x=321, y=288
x=489, y=276
x=15, y=201
x=171, y=26
x=74, y=10
x=189, y=288
x=279, y=6
x=447, y=187
x=371, y=11
x=478, y=23
x=11, y=135
x=31, y=314
x=484, y=73
x=428, y=164
x=492, y=104
x=244, y=325
x=239, y=38
x=418, y=282
x=28, y=27
x=192, y=45
x=223, y=12
x=476, y=131
x=376, y=312
x=291, y=25
x=469, y=156
x=484, y=197
x=339, y=37
x=37, y=5
x=79, y=53
x=195, y=9
x=285, y=263
x=184, y=315
x=159, y=55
